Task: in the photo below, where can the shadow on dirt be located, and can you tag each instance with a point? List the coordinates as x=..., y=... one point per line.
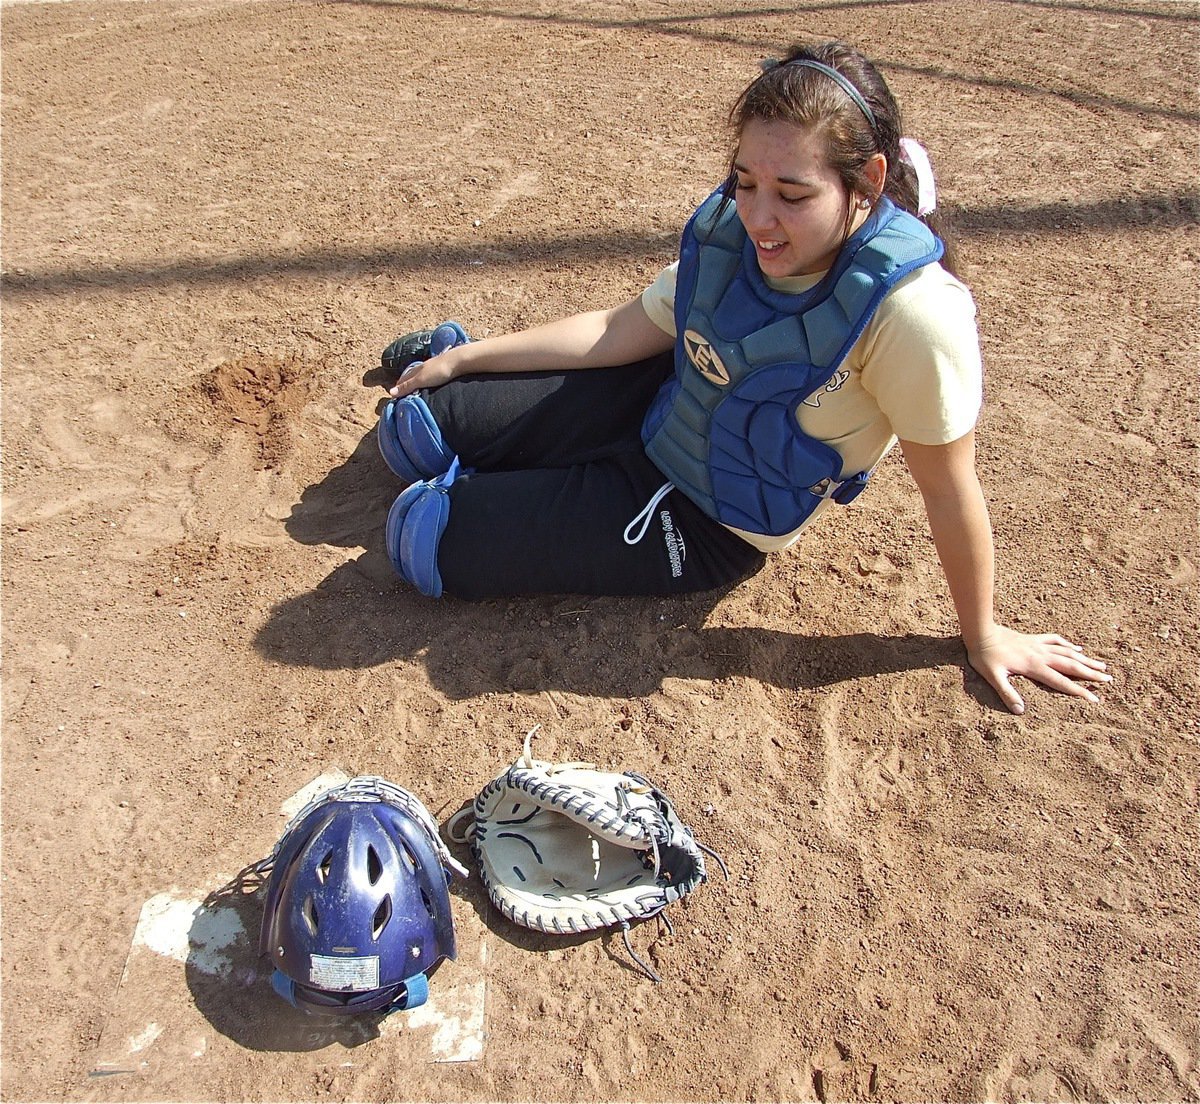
x=689, y=25
x=350, y=263
x=347, y=508
x=1153, y=211
x=237, y=999
x=363, y=616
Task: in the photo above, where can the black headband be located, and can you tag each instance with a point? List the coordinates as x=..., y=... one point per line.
x=843, y=82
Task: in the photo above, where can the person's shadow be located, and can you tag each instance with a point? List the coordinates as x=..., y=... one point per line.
x=363, y=615
x=347, y=507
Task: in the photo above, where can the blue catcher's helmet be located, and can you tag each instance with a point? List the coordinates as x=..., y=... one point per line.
x=357, y=911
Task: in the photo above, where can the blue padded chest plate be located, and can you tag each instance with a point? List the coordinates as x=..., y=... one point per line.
x=723, y=429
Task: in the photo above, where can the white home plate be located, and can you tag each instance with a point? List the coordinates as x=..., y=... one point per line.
x=193, y=982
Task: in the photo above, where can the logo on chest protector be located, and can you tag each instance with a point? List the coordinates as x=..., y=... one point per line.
x=705, y=358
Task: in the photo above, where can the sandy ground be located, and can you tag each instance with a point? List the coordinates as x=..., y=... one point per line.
x=216, y=213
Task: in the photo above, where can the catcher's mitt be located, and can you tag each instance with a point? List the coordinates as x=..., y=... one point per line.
x=566, y=848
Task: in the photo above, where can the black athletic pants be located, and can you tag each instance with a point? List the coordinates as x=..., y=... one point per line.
x=557, y=473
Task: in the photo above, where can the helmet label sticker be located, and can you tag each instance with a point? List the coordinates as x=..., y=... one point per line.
x=344, y=974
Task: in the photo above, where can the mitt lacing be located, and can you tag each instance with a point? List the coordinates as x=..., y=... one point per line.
x=651, y=974
x=528, y=761
x=713, y=855
x=453, y=823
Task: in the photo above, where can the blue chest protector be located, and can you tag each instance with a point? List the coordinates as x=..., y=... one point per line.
x=723, y=429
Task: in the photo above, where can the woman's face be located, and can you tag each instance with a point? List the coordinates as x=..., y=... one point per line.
x=791, y=202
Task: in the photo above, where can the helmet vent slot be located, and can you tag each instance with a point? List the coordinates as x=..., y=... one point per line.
x=410, y=860
x=309, y=913
x=374, y=865
x=428, y=905
x=324, y=866
x=382, y=915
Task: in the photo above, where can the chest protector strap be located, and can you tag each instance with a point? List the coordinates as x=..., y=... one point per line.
x=723, y=429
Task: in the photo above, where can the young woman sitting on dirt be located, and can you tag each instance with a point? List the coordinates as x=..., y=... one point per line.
x=808, y=324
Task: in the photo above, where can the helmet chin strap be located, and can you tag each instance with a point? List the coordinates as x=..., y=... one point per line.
x=415, y=992
x=284, y=986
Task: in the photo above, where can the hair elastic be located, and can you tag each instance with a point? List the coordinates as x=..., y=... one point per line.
x=914, y=153
x=841, y=80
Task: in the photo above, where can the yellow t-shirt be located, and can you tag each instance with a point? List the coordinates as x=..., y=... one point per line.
x=915, y=374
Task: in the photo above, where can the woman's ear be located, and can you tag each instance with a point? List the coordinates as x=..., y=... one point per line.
x=875, y=171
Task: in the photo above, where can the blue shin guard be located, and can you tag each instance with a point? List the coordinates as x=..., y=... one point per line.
x=410, y=440
x=415, y=525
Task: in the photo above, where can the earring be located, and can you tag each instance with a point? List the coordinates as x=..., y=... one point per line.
x=864, y=204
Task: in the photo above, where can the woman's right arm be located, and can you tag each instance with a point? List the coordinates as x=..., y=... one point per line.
x=594, y=339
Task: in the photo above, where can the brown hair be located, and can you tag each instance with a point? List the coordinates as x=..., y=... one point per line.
x=811, y=99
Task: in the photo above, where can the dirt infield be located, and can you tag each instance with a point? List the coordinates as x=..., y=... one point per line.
x=216, y=213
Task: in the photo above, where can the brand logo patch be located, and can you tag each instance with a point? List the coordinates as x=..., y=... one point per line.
x=835, y=384
x=673, y=539
x=705, y=358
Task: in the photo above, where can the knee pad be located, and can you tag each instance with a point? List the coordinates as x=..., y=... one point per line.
x=410, y=440
x=415, y=525
x=447, y=336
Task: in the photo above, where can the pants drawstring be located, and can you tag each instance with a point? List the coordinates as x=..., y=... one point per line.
x=646, y=512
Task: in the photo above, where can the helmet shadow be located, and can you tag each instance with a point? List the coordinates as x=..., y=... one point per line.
x=233, y=990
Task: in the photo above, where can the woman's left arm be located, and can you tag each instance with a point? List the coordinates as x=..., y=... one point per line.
x=962, y=533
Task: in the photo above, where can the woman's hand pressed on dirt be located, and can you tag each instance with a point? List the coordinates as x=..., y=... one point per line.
x=1047, y=658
